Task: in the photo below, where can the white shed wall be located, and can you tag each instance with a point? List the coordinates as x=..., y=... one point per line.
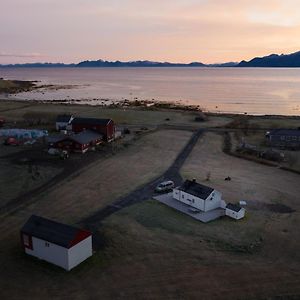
x=80, y=252
x=54, y=254
x=235, y=215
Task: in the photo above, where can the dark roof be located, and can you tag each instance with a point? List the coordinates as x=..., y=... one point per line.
x=86, y=136
x=54, y=232
x=289, y=132
x=234, y=207
x=56, y=138
x=196, y=189
x=63, y=118
x=92, y=121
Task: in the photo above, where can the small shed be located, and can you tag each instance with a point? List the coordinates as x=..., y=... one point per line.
x=59, y=244
x=235, y=211
x=62, y=121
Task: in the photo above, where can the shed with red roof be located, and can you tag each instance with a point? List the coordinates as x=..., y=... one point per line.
x=57, y=243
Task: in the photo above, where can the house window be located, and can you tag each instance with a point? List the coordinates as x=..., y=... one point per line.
x=47, y=244
x=282, y=137
x=182, y=196
x=193, y=200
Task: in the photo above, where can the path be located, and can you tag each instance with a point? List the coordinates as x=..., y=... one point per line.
x=142, y=193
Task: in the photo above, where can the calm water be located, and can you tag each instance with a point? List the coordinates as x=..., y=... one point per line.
x=256, y=91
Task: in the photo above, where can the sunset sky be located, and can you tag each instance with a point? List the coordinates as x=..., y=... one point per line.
x=162, y=30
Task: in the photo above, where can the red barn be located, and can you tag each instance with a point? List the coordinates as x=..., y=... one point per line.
x=104, y=126
x=80, y=142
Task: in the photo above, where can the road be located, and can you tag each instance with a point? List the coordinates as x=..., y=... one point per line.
x=142, y=193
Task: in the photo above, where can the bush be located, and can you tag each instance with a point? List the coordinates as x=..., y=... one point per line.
x=39, y=118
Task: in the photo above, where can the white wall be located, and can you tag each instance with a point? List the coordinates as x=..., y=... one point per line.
x=176, y=194
x=235, y=215
x=190, y=200
x=54, y=254
x=212, y=202
x=80, y=252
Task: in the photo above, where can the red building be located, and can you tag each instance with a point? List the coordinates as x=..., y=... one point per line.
x=103, y=126
x=80, y=142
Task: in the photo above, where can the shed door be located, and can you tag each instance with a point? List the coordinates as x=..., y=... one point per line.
x=27, y=241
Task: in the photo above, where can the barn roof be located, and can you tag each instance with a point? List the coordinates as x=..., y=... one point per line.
x=196, y=189
x=64, y=118
x=234, y=207
x=56, y=138
x=86, y=136
x=92, y=121
x=54, y=232
x=286, y=132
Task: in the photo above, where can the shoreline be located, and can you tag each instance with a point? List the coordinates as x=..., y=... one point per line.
x=144, y=105
x=9, y=89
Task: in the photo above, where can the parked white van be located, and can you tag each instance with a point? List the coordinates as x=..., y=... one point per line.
x=165, y=186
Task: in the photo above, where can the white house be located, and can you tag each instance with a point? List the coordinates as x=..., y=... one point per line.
x=62, y=122
x=198, y=196
x=235, y=211
x=57, y=243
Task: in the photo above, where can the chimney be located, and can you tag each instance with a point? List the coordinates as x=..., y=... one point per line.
x=194, y=180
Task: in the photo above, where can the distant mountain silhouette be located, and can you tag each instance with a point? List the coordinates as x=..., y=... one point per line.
x=138, y=63
x=273, y=61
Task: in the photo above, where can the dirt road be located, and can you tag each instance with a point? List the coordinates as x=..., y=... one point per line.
x=142, y=193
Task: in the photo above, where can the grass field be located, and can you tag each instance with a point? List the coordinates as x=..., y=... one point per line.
x=151, y=251
x=154, y=252
x=15, y=111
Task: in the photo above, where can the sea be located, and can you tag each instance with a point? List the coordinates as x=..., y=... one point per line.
x=258, y=91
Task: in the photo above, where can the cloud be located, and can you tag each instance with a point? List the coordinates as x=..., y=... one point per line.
x=177, y=30
x=23, y=55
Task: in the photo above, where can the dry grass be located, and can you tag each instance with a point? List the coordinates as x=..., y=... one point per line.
x=154, y=252
x=258, y=184
x=99, y=184
x=279, y=122
x=14, y=111
x=17, y=179
x=250, y=181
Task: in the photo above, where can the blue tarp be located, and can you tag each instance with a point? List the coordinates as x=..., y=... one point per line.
x=23, y=133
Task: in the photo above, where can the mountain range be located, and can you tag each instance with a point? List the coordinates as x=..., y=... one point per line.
x=274, y=60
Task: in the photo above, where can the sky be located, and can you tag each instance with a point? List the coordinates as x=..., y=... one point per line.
x=209, y=31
